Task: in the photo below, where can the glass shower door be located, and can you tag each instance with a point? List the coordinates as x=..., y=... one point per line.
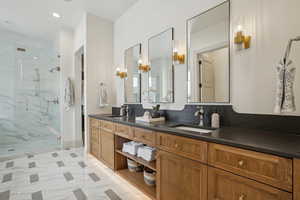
x=29, y=98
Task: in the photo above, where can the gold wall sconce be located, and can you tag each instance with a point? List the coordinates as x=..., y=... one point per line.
x=242, y=39
x=180, y=58
x=177, y=57
x=144, y=67
x=121, y=74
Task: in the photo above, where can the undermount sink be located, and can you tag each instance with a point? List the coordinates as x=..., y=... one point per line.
x=198, y=130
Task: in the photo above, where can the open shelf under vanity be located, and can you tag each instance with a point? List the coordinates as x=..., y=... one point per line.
x=135, y=178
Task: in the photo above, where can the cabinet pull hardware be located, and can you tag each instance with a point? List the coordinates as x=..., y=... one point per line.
x=241, y=163
x=242, y=197
x=176, y=145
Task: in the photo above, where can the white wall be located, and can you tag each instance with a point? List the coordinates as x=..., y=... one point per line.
x=65, y=43
x=94, y=37
x=147, y=18
x=271, y=25
x=98, y=65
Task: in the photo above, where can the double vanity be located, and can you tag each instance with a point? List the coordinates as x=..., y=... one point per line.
x=223, y=66
x=224, y=164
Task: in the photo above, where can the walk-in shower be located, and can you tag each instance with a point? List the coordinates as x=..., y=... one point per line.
x=29, y=95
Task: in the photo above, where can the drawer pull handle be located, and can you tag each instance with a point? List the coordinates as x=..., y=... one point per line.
x=176, y=145
x=242, y=197
x=241, y=164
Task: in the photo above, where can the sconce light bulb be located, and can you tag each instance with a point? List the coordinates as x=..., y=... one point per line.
x=140, y=62
x=118, y=69
x=240, y=28
x=175, y=50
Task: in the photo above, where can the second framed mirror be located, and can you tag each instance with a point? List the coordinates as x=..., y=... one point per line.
x=161, y=75
x=133, y=81
x=209, y=56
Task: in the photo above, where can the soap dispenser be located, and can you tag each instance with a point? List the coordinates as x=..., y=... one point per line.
x=215, y=120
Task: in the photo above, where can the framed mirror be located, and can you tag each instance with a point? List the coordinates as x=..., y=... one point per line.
x=208, y=46
x=133, y=81
x=161, y=75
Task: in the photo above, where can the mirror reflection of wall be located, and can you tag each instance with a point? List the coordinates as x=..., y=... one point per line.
x=208, y=56
x=133, y=81
x=160, y=80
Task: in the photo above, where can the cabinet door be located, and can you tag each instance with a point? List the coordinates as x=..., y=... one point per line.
x=107, y=148
x=179, y=178
x=227, y=186
x=94, y=142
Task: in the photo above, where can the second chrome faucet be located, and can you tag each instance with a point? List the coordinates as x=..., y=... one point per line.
x=200, y=113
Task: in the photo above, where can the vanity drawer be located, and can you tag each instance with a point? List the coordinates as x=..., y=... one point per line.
x=227, y=186
x=124, y=131
x=107, y=126
x=145, y=136
x=269, y=169
x=189, y=148
x=94, y=123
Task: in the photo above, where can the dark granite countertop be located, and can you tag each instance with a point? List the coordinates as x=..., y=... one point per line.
x=280, y=144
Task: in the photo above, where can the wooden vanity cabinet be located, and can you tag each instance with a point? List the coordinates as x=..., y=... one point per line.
x=190, y=169
x=102, y=141
x=179, y=178
x=224, y=185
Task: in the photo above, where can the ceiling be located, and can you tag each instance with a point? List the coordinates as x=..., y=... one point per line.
x=34, y=17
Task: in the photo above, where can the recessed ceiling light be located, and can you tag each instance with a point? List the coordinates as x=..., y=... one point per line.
x=56, y=15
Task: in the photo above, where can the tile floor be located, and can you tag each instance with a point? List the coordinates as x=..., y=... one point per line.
x=62, y=175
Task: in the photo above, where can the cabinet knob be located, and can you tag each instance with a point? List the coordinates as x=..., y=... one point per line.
x=242, y=197
x=176, y=145
x=241, y=164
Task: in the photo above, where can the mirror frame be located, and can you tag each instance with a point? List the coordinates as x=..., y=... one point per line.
x=229, y=54
x=140, y=76
x=173, y=81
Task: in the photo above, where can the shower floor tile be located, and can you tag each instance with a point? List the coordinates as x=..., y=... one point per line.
x=70, y=182
x=46, y=144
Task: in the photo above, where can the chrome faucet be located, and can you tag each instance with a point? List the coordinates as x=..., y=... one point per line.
x=124, y=110
x=200, y=113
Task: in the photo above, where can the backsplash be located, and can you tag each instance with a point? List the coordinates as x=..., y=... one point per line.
x=228, y=117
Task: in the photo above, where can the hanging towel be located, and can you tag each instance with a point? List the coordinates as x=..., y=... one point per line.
x=103, y=97
x=69, y=94
x=285, y=99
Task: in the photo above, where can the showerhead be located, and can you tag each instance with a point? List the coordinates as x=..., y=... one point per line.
x=54, y=69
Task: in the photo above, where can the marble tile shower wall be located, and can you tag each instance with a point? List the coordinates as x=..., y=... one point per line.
x=29, y=116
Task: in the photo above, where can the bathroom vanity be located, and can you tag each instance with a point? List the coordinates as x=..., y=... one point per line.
x=225, y=164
